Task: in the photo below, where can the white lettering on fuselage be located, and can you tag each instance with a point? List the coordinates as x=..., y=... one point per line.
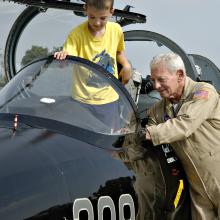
x=104, y=202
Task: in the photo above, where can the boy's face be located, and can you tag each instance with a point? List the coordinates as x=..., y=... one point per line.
x=97, y=18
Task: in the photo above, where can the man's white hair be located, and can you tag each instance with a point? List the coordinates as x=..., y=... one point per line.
x=172, y=61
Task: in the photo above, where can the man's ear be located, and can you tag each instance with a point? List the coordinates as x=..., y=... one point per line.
x=180, y=74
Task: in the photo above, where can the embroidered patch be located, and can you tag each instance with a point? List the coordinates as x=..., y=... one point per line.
x=201, y=94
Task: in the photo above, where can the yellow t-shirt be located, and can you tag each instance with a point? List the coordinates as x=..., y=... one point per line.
x=80, y=42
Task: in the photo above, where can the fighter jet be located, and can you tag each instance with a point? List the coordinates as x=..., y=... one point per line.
x=61, y=160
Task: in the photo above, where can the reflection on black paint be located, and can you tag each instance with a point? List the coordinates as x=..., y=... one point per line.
x=113, y=188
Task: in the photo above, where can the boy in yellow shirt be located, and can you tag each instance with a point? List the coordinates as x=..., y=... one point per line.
x=92, y=39
x=98, y=34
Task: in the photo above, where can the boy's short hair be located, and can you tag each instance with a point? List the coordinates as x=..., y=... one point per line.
x=100, y=4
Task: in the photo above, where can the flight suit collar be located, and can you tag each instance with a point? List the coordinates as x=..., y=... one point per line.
x=188, y=87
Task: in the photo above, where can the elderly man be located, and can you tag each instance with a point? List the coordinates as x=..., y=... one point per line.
x=188, y=117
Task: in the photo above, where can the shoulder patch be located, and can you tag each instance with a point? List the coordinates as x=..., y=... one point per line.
x=201, y=94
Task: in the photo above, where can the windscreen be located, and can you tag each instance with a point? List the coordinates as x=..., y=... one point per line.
x=72, y=91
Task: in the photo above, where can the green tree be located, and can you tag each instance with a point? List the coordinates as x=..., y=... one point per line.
x=34, y=53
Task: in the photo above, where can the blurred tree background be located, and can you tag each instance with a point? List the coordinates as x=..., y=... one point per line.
x=37, y=52
x=34, y=53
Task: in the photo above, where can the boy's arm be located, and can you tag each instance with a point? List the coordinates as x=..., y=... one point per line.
x=125, y=73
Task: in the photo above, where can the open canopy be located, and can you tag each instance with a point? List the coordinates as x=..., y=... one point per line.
x=75, y=91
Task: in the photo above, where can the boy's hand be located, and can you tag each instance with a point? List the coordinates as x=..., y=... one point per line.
x=60, y=55
x=125, y=74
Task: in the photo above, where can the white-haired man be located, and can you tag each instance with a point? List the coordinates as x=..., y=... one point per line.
x=188, y=117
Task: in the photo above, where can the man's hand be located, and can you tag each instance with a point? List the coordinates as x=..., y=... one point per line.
x=148, y=137
x=60, y=55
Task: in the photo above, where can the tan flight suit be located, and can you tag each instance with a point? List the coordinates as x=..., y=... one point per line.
x=194, y=133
